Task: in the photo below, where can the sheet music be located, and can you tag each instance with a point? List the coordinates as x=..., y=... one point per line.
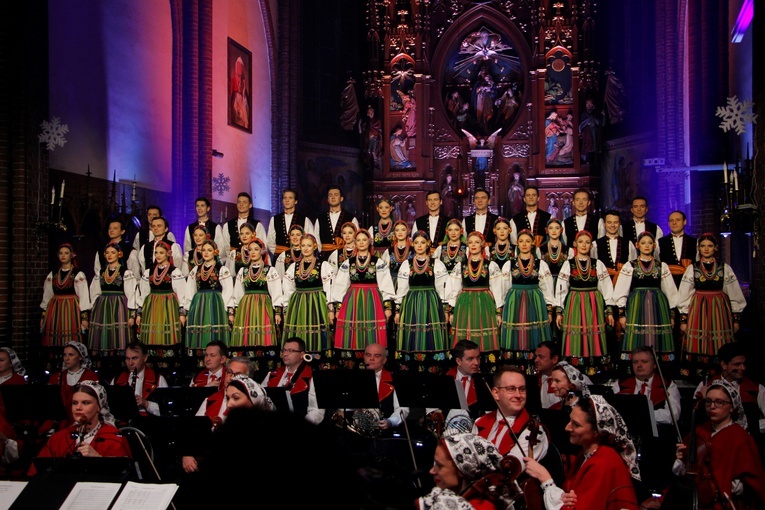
x=145, y=496
x=91, y=496
x=9, y=491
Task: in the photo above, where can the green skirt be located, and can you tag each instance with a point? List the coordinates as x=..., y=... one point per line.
x=525, y=322
x=207, y=320
x=648, y=321
x=160, y=323
x=422, y=325
x=307, y=317
x=475, y=318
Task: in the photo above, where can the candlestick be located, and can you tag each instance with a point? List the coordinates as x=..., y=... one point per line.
x=725, y=172
x=133, y=190
x=63, y=183
x=52, y=195
x=735, y=181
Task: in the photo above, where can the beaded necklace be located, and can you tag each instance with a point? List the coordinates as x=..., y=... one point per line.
x=452, y=251
x=205, y=272
x=526, y=266
x=646, y=266
x=295, y=258
x=304, y=273
x=475, y=274
x=62, y=283
x=111, y=274
x=502, y=252
x=257, y=269
x=399, y=255
x=708, y=274
x=362, y=262
x=157, y=277
x=584, y=272
x=419, y=267
x=198, y=260
x=554, y=253
x=245, y=256
x=384, y=231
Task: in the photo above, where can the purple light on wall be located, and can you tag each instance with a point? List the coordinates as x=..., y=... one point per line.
x=745, y=16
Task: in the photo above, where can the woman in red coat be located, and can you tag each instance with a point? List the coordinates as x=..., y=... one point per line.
x=602, y=475
x=11, y=369
x=74, y=370
x=93, y=434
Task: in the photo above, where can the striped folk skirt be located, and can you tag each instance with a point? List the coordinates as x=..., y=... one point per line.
x=207, y=320
x=710, y=323
x=109, y=330
x=361, y=319
x=254, y=322
x=525, y=323
x=584, y=324
x=422, y=325
x=648, y=321
x=160, y=322
x=62, y=320
x=475, y=318
x=307, y=317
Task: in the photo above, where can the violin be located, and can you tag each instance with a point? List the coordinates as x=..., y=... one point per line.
x=533, y=494
x=497, y=486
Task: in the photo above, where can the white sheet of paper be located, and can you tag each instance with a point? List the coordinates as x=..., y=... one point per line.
x=145, y=496
x=9, y=491
x=91, y=496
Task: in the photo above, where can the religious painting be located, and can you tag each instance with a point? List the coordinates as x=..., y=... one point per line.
x=483, y=83
x=558, y=77
x=401, y=81
x=559, y=137
x=239, y=86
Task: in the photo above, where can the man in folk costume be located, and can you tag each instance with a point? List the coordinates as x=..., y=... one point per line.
x=215, y=366
x=202, y=207
x=677, y=250
x=546, y=357
x=329, y=225
x=244, y=215
x=297, y=376
x=145, y=234
x=532, y=218
x=638, y=224
x=509, y=391
x=656, y=452
x=582, y=219
x=482, y=220
x=160, y=233
x=141, y=378
x=434, y=223
x=129, y=259
x=278, y=240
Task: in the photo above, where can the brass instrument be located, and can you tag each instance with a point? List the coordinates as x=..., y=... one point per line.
x=364, y=422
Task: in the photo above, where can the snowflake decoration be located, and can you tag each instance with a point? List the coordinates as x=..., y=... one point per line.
x=53, y=133
x=220, y=184
x=736, y=115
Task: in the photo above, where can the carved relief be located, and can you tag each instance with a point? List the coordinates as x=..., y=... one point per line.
x=447, y=152
x=518, y=150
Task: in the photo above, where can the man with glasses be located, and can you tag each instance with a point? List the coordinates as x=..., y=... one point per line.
x=507, y=427
x=296, y=375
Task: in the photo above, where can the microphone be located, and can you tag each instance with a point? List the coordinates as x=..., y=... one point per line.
x=80, y=437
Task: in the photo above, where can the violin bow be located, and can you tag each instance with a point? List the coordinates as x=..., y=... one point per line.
x=509, y=428
x=666, y=392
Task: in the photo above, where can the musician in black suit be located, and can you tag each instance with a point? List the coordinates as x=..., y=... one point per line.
x=532, y=218
x=482, y=219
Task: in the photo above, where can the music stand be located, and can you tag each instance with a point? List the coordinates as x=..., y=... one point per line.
x=346, y=389
x=280, y=397
x=122, y=404
x=181, y=400
x=637, y=411
x=533, y=395
x=425, y=390
x=33, y=402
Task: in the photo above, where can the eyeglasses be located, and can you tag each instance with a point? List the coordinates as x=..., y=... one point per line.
x=716, y=404
x=513, y=389
x=290, y=351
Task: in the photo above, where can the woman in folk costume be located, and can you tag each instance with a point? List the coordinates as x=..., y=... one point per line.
x=93, y=435
x=244, y=393
x=162, y=288
x=12, y=371
x=305, y=288
x=65, y=302
x=420, y=315
x=257, y=288
x=193, y=257
x=583, y=293
x=554, y=252
x=645, y=293
x=209, y=294
x=240, y=257
x=382, y=231
x=503, y=250
x=292, y=254
x=474, y=292
x=710, y=303
x=528, y=302
x=75, y=369
x=568, y=384
x=452, y=249
x=113, y=293
x=399, y=251
x=362, y=299
x=346, y=251
x=603, y=472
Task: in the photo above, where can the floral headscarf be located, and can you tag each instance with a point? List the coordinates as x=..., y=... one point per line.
x=255, y=391
x=473, y=455
x=18, y=368
x=735, y=397
x=575, y=376
x=85, y=363
x=444, y=499
x=609, y=421
x=103, y=404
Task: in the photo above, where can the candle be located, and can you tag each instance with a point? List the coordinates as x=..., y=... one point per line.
x=221, y=218
x=133, y=190
x=52, y=195
x=735, y=181
x=63, y=183
x=226, y=212
x=725, y=172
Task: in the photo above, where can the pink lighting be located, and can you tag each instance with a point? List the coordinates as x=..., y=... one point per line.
x=745, y=16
